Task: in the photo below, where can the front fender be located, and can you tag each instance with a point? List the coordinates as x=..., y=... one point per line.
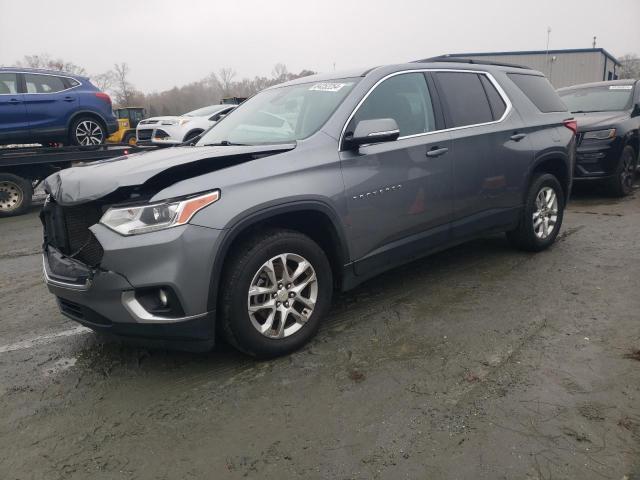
x=262, y=213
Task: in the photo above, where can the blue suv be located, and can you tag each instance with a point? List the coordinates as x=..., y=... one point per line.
x=43, y=106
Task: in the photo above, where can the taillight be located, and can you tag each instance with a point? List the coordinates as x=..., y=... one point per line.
x=103, y=96
x=571, y=125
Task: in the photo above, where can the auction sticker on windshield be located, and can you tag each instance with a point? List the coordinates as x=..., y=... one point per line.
x=328, y=87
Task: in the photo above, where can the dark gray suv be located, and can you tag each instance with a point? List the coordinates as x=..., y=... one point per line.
x=310, y=186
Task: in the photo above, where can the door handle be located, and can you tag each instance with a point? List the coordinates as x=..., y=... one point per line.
x=15, y=100
x=516, y=137
x=437, y=151
x=68, y=99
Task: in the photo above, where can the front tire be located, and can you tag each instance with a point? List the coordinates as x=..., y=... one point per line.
x=130, y=139
x=542, y=215
x=87, y=131
x=621, y=184
x=15, y=195
x=277, y=287
x=191, y=135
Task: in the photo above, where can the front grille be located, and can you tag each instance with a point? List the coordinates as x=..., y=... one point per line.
x=579, y=136
x=82, y=243
x=67, y=229
x=161, y=133
x=145, y=134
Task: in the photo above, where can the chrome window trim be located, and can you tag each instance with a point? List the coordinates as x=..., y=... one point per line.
x=17, y=72
x=493, y=81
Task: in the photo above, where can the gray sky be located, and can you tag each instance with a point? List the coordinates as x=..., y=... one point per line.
x=169, y=43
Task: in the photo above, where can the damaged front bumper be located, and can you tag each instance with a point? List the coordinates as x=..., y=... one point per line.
x=113, y=297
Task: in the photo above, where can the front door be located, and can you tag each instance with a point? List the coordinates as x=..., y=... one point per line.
x=399, y=192
x=49, y=104
x=14, y=126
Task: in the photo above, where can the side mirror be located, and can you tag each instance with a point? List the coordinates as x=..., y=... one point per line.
x=377, y=130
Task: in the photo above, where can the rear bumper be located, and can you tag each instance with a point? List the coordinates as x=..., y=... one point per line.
x=106, y=298
x=112, y=126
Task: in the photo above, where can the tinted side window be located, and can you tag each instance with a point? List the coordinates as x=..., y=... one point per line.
x=539, y=91
x=8, y=83
x=405, y=98
x=43, y=83
x=495, y=100
x=465, y=97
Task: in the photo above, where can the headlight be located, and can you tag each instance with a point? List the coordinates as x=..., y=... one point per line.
x=600, y=134
x=138, y=219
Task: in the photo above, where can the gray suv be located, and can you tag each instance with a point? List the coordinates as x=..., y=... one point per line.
x=310, y=186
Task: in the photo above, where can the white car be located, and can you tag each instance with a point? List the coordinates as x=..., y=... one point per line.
x=174, y=130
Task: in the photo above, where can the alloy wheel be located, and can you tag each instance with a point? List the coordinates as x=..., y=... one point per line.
x=89, y=132
x=282, y=295
x=545, y=216
x=11, y=196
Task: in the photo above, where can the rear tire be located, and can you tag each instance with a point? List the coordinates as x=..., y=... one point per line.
x=15, y=195
x=86, y=130
x=542, y=215
x=288, y=314
x=621, y=184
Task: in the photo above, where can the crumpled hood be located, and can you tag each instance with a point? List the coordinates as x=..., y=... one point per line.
x=156, y=170
x=596, y=120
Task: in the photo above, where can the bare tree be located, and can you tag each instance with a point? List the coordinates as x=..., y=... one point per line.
x=123, y=90
x=104, y=81
x=226, y=76
x=280, y=72
x=630, y=67
x=45, y=61
x=212, y=89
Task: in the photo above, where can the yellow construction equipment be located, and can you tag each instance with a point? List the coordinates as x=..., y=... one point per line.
x=128, y=118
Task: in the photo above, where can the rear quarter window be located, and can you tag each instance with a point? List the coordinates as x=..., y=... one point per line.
x=539, y=91
x=495, y=100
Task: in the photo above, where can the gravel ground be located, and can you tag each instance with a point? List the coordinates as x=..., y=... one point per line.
x=479, y=362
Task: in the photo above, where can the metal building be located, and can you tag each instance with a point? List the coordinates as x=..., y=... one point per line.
x=562, y=67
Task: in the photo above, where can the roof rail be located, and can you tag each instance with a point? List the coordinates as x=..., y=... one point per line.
x=447, y=58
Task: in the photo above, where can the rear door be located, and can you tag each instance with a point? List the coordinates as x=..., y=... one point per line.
x=50, y=101
x=491, y=153
x=14, y=126
x=398, y=197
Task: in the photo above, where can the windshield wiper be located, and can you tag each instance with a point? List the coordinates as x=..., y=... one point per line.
x=226, y=143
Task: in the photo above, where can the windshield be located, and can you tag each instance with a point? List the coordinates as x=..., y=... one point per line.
x=598, y=99
x=205, y=111
x=282, y=114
